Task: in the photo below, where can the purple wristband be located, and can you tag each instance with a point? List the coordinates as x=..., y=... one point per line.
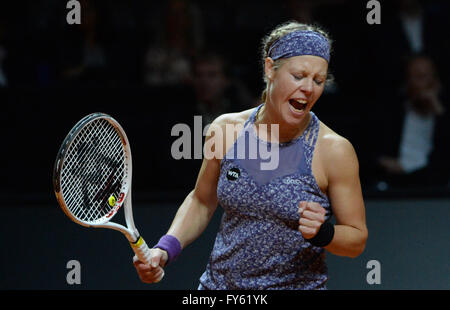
x=171, y=245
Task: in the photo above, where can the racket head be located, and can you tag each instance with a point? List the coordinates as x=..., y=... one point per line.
x=92, y=171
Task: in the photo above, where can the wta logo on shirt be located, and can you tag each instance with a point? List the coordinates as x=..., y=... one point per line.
x=233, y=174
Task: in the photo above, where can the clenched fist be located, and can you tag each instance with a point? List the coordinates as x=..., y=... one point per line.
x=312, y=216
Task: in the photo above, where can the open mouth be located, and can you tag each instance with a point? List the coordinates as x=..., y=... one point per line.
x=298, y=104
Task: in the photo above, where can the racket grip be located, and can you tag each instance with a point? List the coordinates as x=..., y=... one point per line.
x=142, y=250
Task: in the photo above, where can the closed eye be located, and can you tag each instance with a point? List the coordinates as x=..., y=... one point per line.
x=318, y=82
x=299, y=77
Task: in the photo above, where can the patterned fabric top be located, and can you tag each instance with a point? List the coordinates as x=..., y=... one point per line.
x=258, y=245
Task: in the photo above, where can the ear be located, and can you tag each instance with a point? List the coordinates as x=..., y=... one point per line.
x=268, y=68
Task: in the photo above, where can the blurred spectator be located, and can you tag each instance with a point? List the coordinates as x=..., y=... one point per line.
x=411, y=18
x=215, y=91
x=408, y=27
x=179, y=36
x=89, y=61
x=414, y=136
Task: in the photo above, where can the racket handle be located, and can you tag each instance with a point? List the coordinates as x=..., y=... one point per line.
x=142, y=250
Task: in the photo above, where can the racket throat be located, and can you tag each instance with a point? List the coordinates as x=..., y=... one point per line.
x=133, y=236
x=137, y=243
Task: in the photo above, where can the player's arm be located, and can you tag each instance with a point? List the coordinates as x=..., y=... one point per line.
x=345, y=194
x=197, y=209
x=191, y=219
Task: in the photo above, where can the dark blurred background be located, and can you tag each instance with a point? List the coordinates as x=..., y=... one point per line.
x=154, y=64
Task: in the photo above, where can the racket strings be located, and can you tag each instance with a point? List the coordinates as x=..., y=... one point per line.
x=81, y=172
x=92, y=176
x=96, y=176
x=93, y=171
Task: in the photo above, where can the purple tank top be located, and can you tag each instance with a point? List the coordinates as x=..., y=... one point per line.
x=258, y=245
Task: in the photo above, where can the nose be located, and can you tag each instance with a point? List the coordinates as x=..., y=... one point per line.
x=307, y=86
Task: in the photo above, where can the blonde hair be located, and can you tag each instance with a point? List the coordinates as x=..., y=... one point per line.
x=280, y=31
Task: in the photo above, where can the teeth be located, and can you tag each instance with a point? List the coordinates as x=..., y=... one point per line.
x=298, y=104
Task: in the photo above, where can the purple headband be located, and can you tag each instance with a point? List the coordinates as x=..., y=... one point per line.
x=298, y=43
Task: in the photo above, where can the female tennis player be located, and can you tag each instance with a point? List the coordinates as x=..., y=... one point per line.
x=276, y=223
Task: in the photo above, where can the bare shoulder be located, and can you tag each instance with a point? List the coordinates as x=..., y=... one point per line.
x=332, y=142
x=233, y=118
x=223, y=131
x=336, y=152
x=229, y=124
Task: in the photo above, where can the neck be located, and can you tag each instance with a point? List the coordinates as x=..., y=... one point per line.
x=286, y=132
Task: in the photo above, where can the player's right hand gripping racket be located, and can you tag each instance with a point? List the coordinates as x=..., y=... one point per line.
x=92, y=177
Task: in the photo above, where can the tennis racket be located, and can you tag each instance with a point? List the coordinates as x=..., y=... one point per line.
x=92, y=178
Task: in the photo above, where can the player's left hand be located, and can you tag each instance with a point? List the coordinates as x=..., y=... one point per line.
x=312, y=216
